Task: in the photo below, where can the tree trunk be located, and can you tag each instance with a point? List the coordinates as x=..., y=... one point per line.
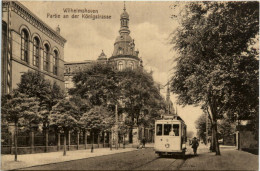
x=46, y=139
x=85, y=138
x=92, y=146
x=64, y=144
x=110, y=139
x=68, y=140
x=124, y=141
x=58, y=144
x=15, y=141
x=98, y=139
x=213, y=117
x=215, y=144
x=78, y=139
x=212, y=142
x=215, y=137
x=104, y=138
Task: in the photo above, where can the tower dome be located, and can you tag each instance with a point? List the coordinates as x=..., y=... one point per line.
x=124, y=14
x=124, y=54
x=102, y=56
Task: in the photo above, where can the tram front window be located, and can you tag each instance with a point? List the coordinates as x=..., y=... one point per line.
x=159, y=129
x=176, y=129
x=167, y=129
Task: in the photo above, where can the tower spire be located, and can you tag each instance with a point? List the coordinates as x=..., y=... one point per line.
x=124, y=19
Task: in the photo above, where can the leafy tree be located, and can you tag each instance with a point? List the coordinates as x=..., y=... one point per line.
x=226, y=127
x=83, y=104
x=34, y=84
x=65, y=115
x=217, y=66
x=200, y=124
x=142, y=99
x=98, y=84
x=18, y=108
x=97, y=119
x=101, y=84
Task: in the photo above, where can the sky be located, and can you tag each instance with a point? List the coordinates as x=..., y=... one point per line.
x=150, y=24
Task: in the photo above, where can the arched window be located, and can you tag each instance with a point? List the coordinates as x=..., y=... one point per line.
x=36, y=51
x=46, y=56
x=25, y=46
x=55, y=62
x=131, y=65
x=121, y=51
x=120, y=66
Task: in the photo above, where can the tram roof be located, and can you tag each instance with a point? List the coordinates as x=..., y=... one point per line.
x=171, y=117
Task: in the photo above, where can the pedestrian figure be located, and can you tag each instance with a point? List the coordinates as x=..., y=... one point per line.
x=195, y=145
x=143, y=142
x=172, y=133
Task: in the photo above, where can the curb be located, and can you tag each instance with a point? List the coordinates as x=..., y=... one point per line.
x=70, y=160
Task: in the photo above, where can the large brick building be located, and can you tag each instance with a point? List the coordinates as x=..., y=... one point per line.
x=29, y=44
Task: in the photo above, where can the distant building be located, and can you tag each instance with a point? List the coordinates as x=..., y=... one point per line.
x=29, y=44
x=124, y=54
x=70, y=68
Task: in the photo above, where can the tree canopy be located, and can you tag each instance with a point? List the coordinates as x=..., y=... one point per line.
x=142, y=99
x=132, y=90
x=34, y=84
x=200, y=124
x=19, y=108
x=98, y=84
x=217, y=63
x=64, y=115
x=97, y=119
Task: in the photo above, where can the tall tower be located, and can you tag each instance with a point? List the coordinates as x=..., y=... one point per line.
x=170, y=108
x=124, y=54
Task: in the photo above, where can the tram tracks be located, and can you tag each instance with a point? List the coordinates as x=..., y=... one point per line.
x=161, y=163
x=140, y=166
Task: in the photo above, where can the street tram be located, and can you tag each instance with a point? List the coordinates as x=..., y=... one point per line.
x=170, y=136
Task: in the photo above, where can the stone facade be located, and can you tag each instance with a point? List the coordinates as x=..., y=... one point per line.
x=29, y=44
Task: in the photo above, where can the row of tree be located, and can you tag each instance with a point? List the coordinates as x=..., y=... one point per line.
x=92, y=104
x=134, y=91
x=217, y=67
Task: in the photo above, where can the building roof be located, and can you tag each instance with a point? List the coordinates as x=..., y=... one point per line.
x=32, y=16
x=102, y=56
x=78, y=62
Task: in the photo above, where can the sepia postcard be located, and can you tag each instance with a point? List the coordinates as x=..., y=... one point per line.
x=130, y=85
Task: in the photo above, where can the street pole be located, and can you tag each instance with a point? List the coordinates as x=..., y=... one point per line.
x=116, y=127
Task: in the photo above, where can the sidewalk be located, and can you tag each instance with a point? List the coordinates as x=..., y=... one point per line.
x=28, y=160
x=230, y=159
